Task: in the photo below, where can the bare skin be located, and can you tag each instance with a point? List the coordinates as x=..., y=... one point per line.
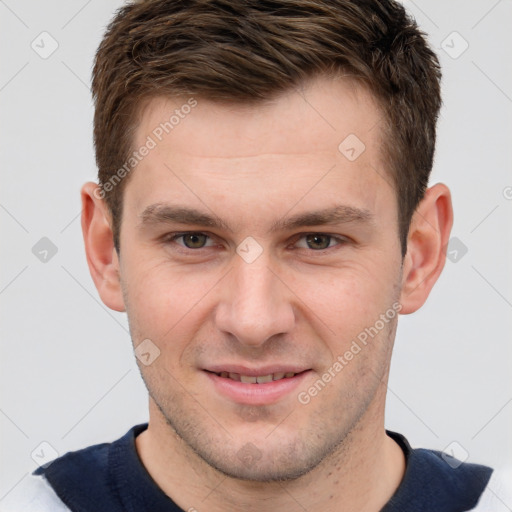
x=314, y=287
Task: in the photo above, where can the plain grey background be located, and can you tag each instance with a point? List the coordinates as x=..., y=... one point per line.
x=68, y=374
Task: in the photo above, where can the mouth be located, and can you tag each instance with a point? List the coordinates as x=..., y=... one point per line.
x=262, y=386
x=256, y=379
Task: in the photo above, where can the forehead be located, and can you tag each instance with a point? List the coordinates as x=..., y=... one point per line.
x=318, y=115
x=279, y=148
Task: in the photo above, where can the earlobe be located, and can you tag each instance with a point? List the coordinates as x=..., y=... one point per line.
x=101, y=255
x=426, y=247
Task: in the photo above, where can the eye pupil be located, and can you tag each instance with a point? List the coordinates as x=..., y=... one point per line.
x=194, y=240
x=318, y=241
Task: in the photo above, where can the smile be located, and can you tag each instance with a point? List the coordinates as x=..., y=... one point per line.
x=264, y=389
x=259, y=379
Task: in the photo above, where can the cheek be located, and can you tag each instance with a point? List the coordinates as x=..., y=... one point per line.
x=163, y=292
x=346, y=300
x=167, y=306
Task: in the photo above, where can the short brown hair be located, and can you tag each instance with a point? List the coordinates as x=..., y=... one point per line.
x=247, y=51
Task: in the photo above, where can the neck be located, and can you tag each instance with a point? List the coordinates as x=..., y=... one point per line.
x=361, y=474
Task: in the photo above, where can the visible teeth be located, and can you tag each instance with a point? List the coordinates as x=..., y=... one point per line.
x=247, y=379
x=264, y=378
x=260, y=379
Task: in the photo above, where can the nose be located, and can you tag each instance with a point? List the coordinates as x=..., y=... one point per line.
x=256, y=304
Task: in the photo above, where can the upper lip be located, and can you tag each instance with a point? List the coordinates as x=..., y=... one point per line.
x=255, y=372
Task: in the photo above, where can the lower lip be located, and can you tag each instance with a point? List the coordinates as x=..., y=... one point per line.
x=256, y=394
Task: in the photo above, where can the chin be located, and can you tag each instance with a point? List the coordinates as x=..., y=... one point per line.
x=264, y=471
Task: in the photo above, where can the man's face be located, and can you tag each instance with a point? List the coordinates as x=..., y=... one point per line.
x=301, y=254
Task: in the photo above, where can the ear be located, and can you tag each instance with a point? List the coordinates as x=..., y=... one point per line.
x=428, y=237
x=102, y=256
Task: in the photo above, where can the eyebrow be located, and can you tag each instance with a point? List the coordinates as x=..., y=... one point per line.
x=340, y=214
x=161, y=213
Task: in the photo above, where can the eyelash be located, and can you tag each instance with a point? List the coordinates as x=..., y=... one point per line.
x=172, y=237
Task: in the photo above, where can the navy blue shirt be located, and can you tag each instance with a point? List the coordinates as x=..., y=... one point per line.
x=110, y=477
